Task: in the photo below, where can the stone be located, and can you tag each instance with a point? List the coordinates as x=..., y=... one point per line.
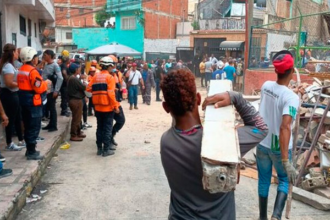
x=318, y=202
x=315, y=172
x=314, y=182
x=325, y=192
x=312, y=129
x=322, y=139
x=320, y=112
x=327, y=134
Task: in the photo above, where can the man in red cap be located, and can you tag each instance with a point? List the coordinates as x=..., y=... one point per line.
x=134, y=78
x=278, y=108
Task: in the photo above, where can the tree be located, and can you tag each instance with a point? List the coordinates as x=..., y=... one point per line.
x=102, y=16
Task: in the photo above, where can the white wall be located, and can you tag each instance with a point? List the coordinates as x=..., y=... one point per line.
x=60, y=35
x=11, y=25
x=276, y=42
x=164, y=45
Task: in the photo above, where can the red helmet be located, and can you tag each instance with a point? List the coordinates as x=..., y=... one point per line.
x=94, y=63
x=114, y=58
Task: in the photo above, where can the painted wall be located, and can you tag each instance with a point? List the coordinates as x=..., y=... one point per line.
x=90, y=38
x=165, y=45
x=60, y=35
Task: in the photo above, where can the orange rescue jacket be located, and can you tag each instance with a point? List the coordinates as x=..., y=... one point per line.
x=102, y=86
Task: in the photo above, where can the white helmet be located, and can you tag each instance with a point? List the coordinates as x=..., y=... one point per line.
x=107, y=61
x=27, y=54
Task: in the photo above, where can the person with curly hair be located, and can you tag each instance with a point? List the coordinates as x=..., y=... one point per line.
x=181, y=147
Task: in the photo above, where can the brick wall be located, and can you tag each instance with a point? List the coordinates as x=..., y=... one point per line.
x=162, y=16
x=254, y=79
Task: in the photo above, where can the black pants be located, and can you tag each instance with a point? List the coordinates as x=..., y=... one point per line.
x=32, y=124
x=104, y=129
x=120, y=121
x=10, y=102
x=203, y=79
x=64, y=99
x=90, y=106
x=208, y=77
x=84, y=111
x=51, y=107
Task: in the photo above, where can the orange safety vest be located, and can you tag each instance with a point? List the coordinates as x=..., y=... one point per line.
x=29, y=81
x=102, y=86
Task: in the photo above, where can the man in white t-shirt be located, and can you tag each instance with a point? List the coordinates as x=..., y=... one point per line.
x=134, y=78
x=278, y=108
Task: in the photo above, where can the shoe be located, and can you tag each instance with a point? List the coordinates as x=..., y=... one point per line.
x=159, y=100
x=87, y=125
x=99, y=152
x=46, y=128
x=34, y=156
x=148, y=103
x=263, y=202
x=107, y=153
x=83, y=128
x=40, y=139
x=2, y=158
x=113, y=142
x=52, y=129
x=131, y=108
x=75, y=138
x=5, y=173
x=21, y=144
x=112, y=147
x=44, y=119
x=43, y=124
x=67, y=114
x=36, y=152
x=135, y=107
x=82, y=135
x=279, y=205
x=13, y=147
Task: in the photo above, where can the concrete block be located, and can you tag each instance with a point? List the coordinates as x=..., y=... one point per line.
x=318, y=202
x=325, y=192
x=323, y=138
x=314, y=182
x=327, y=134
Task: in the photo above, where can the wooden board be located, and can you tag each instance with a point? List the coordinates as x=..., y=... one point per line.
x=220, y=142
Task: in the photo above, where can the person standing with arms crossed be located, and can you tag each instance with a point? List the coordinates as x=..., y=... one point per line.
x=278, y=107
x=103, y=87
x=134, y=77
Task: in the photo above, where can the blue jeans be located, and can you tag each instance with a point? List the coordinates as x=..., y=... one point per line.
x=266, y=158
x=1, y=166
x=133, y=94
x=157, y=81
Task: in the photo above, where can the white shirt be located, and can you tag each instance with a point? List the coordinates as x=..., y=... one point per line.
x=213, y=60
x=276, y=101
x=137, y=77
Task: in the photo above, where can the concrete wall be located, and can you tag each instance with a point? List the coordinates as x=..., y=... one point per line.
x=60, y=35
x=254, y=79
x=10, y=25
x=164, y=45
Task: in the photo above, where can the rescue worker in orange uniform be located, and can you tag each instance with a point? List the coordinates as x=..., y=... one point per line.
x=91, y=74
x=94, y=64
x=31, y=86
x=120, y=117
x=103, y=87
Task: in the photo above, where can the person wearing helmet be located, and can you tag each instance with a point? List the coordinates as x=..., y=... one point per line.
x=94, y=64
x=31, y=86
x=64, y=89
x=102, y=87
x=91, y=74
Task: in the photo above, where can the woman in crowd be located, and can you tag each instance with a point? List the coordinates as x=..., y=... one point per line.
x=9, y=96
x=149, y=81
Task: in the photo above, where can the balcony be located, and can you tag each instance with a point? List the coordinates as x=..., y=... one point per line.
x=42, y=9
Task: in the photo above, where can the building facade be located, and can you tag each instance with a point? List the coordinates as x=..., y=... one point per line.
x=22, y=23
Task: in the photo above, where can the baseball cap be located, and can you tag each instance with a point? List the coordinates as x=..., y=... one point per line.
x=73, y=68
x=283, y=61
x=134, y=64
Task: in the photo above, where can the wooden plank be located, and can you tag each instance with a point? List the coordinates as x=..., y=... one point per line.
x=220, y=142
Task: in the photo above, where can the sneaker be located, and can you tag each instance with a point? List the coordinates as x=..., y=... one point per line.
x=34, y=156
x=83, y=127
x=87, y=125
x=40, y=139
x=13, y=147
x=43, y=124
x=21, y=144
x=5, y=173
x=52, y=129
x=2, y=158
x=44, y=119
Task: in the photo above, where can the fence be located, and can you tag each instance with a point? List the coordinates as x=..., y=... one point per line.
x=306, y=36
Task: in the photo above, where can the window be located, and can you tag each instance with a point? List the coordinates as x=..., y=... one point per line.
x=35, y=29
x=14, y=39
x=68, y=35
x=128, y=23
x=81, y=10
x=61, y=9
x=22, y=25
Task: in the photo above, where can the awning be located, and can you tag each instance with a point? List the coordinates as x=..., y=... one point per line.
x=232, y=45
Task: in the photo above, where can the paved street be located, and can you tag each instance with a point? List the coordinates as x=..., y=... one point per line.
x=131, y=184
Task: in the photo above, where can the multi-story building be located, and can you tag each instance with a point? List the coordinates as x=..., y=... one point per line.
x=22, y=23
x=74, y=14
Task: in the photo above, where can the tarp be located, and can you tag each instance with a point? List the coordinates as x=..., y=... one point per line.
x=114, y=49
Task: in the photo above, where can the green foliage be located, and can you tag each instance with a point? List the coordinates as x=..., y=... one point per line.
x=195, y=25
x=102, y=16
x=140, y=17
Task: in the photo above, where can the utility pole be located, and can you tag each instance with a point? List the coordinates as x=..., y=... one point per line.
x=248, y=25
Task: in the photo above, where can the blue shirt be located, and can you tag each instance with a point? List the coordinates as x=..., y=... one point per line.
x=230, y=71
x=217, y=72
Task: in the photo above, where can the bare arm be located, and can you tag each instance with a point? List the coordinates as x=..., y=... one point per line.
x=9, y=81
x=285, y=135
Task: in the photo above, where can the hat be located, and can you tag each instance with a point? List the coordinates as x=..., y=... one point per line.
x=73, y=68
x=134, y=65
x=92, y=69
x=283, y=61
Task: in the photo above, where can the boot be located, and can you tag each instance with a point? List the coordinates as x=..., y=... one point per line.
x=108, y=153
x=27, y=152
x=279, y=205
x=112, y=147
x=76, y=138
x=263, y=202
x=131, y=107
x=113, y=142
x=34, y=156
x=99, y=151
x=81, y=135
